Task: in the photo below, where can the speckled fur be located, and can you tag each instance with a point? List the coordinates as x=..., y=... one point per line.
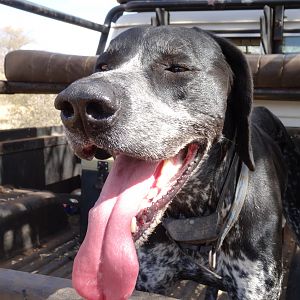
x=252, y=271
x=157, y=113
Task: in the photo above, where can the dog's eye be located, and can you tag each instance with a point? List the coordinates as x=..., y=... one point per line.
x=177, y=69
x=102, y=67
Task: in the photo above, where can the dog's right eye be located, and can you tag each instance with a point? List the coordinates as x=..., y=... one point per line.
x=102, y=67
x=177, y=69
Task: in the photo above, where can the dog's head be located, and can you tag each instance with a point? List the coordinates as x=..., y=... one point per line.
x=158, y=101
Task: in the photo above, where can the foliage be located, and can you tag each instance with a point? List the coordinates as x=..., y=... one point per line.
x=11, y=39
x=27, y=111
x=22, y=110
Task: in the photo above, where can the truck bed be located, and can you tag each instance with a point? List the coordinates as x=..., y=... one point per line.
x=54, y=258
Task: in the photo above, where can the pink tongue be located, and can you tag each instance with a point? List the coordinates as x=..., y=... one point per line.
x=106, y=266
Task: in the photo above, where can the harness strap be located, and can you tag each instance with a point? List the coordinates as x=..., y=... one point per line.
x=236, y=206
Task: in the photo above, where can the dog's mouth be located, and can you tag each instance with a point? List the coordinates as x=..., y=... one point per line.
x=169, y=177
x=132, y=202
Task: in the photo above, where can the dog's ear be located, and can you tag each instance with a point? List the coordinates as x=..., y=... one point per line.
x=240, y=99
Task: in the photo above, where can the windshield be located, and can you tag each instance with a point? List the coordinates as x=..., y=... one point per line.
x=291, y=44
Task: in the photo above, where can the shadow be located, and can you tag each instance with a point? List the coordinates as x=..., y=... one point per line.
x=26, y=217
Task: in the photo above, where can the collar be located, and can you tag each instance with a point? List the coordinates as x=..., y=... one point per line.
x=211, y=230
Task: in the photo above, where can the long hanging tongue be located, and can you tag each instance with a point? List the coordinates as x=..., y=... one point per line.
x=106, y=266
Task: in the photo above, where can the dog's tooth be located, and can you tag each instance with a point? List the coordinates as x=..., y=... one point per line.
x=168, y=170
x=153, y=193
x=133, y=226
x=167, y=164
x=164, y=178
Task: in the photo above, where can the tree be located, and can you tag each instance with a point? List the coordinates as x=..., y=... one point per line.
x=11, y=39
x=22, y=110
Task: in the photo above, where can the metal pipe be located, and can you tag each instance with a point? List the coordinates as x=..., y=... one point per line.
x=22, y=285
x=53, y=14
x=6, y=87
x=186, y=5
x=9, y=87
x=177, y=5
x=112, y=16
x=288, y=94
x=292, y=30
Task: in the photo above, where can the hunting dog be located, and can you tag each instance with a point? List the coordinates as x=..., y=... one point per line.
x=173, y=106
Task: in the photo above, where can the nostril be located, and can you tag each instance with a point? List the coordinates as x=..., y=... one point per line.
x=67, y=109
x=99, y=111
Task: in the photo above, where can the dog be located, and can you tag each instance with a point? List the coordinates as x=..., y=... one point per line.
x=174, y=108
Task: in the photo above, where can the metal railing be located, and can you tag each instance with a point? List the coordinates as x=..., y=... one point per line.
x=53, y=14
x=162, y=7
x=272, y=29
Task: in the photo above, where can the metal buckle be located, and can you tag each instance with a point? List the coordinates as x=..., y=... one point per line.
x=212, y=259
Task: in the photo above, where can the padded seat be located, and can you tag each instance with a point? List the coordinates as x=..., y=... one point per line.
x=275, y=76
x=46, y=67
x=269, y=71
x=275, y=70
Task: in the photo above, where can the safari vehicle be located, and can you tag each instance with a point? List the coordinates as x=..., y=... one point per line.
x=39, y=231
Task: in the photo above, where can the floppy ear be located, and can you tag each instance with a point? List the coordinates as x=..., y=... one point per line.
x=240, y=99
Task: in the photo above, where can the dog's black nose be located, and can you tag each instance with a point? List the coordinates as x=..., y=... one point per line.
x=87, y=102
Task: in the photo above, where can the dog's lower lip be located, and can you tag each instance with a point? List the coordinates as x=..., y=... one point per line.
x=89, y=151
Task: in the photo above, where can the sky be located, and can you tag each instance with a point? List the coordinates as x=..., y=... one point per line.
x=55, y=36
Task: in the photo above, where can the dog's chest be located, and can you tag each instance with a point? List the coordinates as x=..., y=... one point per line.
x=248, y=279
x=162, y=264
